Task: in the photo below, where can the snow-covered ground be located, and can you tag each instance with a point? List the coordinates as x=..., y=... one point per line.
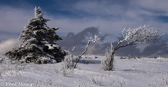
x=143, y=72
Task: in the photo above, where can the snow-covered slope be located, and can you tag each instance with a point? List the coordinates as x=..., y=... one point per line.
x=143, y=72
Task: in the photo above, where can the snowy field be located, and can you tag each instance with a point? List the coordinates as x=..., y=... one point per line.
x=142, y=72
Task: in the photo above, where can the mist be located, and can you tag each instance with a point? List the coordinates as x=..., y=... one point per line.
x=79, y=40
x=8, y=45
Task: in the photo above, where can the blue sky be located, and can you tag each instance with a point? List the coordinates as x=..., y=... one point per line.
x=110, y=16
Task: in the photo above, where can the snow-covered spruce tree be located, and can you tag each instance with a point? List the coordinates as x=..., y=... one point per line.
x=39, y=42
x=141, y=35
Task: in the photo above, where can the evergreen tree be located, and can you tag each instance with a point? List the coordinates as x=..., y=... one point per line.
x=39, y=42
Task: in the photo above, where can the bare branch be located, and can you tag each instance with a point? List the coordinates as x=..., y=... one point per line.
x=123, y=32
x=141, y=35
x=95, y=39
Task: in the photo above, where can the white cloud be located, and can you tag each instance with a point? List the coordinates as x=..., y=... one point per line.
x=109, y=18
x=157, y=5
x=131, y=14
x=14, y=19
x=4, y=37
x=99, y=8
x=8, y=45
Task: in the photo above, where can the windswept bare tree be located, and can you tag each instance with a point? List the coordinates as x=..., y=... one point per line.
x=95, y=39
x=140, y=35
x=70, y=62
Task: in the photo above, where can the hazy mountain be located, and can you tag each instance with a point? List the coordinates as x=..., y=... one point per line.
x=79, y=40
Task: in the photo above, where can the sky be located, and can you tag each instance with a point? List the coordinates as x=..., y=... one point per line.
x=109, y=16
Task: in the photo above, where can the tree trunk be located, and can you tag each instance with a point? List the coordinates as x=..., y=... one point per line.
x=108, y=63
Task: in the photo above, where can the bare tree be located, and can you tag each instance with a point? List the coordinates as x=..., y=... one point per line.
x=95, y=39
x=70, y=62
x=140, y=35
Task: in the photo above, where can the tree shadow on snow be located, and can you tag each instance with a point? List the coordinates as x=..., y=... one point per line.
x=134, y=70
x=87, y=61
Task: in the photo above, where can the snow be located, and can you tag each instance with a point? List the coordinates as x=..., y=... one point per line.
x=45, y=42
x=32, y=39
x=139, y=35
x=141, y=72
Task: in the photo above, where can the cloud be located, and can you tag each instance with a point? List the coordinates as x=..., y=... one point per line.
x=8, y=45
x=159, y=6
x=110, y=16
x=14, y=19
x=131, y=14
x=100, y=8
